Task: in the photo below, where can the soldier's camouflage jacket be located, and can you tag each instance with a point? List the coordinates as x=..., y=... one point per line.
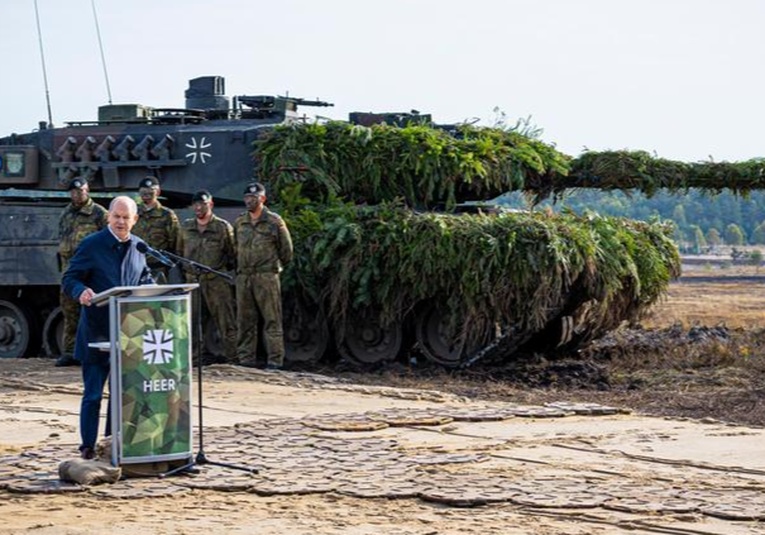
x=263, y=245
x=76, y=223
x=158, y=226
x=214, y=247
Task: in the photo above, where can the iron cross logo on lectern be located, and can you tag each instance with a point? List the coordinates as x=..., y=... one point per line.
x=158, y=346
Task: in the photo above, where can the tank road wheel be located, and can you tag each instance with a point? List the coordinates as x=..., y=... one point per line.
x=53, y=333
x=15, y=331
x=433, y=337
x=365, y=341
x=306, y=334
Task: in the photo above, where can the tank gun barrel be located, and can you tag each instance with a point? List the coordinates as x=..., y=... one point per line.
x=642, y=171
x=477, y=164
x=261, y=102
x=306, y=102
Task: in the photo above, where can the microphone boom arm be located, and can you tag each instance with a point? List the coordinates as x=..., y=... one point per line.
x=197, y=266
x=145, y=249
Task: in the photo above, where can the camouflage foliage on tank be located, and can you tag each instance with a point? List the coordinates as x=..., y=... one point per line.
x=425, y=166
x=524, y=271
x=639, y=170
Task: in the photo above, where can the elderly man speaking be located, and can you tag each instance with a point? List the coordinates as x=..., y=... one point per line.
x=103, y=260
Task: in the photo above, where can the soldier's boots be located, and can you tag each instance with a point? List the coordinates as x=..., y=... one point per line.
x=250, y=363
x=255, y=363
x=210, y=358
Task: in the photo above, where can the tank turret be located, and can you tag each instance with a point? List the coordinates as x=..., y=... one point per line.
x=208, y=144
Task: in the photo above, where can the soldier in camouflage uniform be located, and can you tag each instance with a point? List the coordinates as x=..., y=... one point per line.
x=80, y=217
x=263, y=247
x=158, y=226
x=209, y=240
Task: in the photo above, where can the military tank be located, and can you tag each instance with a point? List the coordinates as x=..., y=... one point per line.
x=397, y=251
x=400, y=254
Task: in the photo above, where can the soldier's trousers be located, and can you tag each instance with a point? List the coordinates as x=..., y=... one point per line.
x=70, y=308
x=259, y=295
x=219, y=298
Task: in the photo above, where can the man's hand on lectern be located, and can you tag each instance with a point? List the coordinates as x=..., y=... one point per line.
x=86, y=296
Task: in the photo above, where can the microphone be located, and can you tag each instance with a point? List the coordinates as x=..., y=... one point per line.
x=144, y=248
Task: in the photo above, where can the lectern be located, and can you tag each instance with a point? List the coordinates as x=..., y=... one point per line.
x=150, y=384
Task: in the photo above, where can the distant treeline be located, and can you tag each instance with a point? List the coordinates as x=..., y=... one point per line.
x=711, y=213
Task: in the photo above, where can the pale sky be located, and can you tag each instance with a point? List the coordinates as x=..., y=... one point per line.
x=684, y=79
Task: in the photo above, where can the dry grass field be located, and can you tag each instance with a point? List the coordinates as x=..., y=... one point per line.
x=728, y=300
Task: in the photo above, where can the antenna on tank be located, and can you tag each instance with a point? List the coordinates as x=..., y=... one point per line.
x=42, y=58
x=101, y=48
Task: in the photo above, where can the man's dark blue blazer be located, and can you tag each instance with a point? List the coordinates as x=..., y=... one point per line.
x=101, y=262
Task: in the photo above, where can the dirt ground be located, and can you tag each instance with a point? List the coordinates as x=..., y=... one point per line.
x=334, y=456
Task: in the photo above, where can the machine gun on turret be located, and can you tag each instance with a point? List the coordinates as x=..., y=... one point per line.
x=273, y=107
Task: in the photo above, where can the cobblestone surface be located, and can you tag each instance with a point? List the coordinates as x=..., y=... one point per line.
x=378, y=455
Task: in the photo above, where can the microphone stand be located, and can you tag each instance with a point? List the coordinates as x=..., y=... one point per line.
x=201, y=458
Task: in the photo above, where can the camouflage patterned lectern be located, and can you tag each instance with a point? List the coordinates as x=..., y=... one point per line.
x=150, y=347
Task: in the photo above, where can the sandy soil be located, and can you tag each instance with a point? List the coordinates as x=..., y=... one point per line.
x=334, y=457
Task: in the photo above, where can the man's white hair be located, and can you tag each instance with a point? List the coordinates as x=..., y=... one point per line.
x=124, y=199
